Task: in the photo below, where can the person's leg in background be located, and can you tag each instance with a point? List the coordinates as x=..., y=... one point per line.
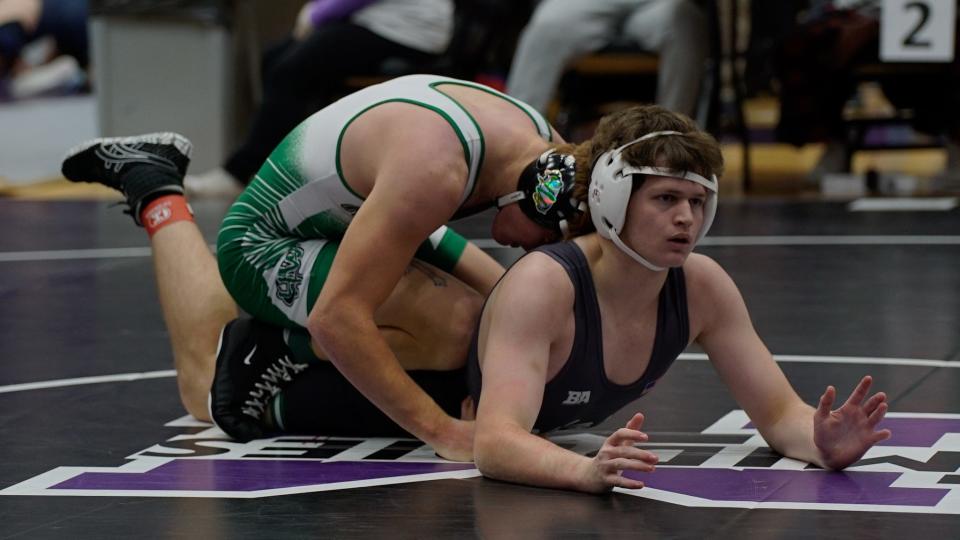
x=680, y=32
x=13, y=36
x=306, y=77
x=66, y=22
x=770, y=23
x=18, y=21
x=57, y=68
x=815, y=67
x=558, y=32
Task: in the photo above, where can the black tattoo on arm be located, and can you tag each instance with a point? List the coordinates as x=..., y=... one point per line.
x=438, y=279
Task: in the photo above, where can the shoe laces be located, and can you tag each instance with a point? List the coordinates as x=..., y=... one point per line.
x=280, y=371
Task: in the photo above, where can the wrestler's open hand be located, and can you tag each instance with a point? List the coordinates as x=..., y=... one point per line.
x=844, y=435
x=617, y=455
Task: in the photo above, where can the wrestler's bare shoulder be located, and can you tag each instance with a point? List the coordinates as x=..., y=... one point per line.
x=711, y=292
x=701, y=266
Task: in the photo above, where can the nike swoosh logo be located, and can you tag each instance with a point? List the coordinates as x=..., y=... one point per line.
x=246, y=361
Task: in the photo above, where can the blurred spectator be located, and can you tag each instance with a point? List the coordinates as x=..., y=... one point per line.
x=817, y=68
x=331, y=41
x=562, y=30
x=58, y=68
x=770, y=23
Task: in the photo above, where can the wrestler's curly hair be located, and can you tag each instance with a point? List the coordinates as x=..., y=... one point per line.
x=696, y=151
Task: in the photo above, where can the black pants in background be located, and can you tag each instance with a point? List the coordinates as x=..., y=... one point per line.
x=304, y=76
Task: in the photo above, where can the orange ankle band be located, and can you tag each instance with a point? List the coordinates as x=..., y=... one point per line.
x=163, y=211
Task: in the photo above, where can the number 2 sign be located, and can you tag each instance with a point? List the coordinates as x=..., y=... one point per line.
x=917, y=30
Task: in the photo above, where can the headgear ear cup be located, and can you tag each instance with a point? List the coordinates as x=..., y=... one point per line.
x=609, y=193
x=709, y=212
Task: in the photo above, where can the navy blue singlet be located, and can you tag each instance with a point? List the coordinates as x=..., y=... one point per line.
x=580, y=394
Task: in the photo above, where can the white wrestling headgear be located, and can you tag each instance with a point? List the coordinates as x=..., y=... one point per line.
x=611, y=183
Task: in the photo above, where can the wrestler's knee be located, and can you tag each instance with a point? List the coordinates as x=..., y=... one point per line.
x=193, y=384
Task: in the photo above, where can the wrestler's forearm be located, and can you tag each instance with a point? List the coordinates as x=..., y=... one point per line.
x=792, y=434
x=357, y=349
x=507, y=452
x=478, y=270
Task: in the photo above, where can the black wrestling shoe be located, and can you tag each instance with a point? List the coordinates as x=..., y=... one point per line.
x=253, y=365
x=141, y=167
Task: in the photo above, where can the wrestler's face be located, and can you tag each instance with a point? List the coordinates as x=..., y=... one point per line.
x=664, y=218
x=511, y=227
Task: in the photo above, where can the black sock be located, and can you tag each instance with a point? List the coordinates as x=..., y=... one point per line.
x=299, y=342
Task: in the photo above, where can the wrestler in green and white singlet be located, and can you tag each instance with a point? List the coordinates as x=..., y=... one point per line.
x=279, y=238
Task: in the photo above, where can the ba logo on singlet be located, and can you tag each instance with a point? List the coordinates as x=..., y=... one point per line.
x=577, y=398
x=290, y=277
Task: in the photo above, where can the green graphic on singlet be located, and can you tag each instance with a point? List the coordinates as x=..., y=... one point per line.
x=290, y=278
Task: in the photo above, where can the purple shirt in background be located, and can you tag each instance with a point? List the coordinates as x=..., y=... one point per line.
x=323, y=11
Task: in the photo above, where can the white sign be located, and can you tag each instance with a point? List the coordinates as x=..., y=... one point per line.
x=917, y=30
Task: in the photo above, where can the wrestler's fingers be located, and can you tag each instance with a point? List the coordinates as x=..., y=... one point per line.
x=626, y=436
x=631, y=452
x=624, y=482
x=826, y=402
x=624, y=464
x=860, y=392
x=877, y=415
x=881, y=435
x=875, y=401
x=636, y=422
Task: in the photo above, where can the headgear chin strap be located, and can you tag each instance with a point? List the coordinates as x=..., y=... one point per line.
x=611, y=184
x=545, y=191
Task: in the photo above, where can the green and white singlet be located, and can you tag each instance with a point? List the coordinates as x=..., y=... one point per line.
x=278, y=240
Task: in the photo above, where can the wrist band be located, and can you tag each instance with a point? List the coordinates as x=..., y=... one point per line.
x=163, y=211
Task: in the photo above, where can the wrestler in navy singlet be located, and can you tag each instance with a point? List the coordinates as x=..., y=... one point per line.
x=581, y=394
